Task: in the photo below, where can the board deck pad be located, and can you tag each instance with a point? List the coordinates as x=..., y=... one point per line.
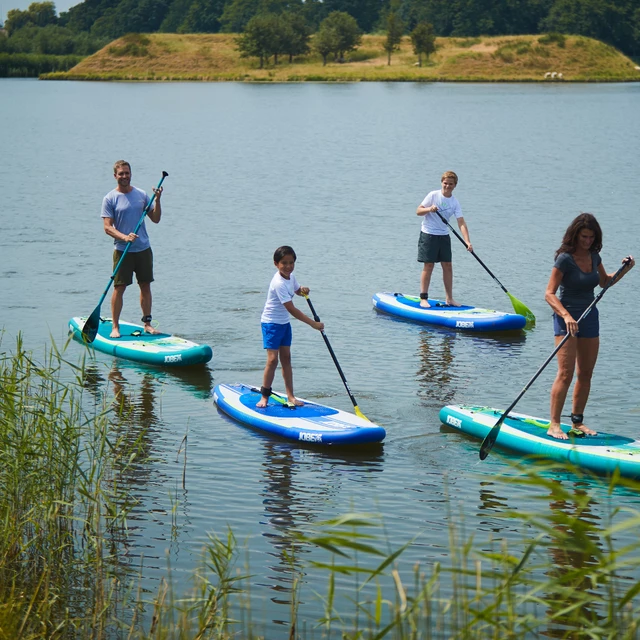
x=310, y=423
x=464, y=317
x=137, y=345
x=527, y=435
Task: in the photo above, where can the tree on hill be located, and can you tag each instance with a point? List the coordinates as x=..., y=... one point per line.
x=423, y=40
x=395, y=29
x=270, y=34
x=325, y=42
x=346, y=32
x=261, y=38
x=296, y=34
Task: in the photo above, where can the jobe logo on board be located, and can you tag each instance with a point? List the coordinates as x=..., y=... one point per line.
x=310, y=437
x=176, y=358
x=454, y=422
x=464, y=324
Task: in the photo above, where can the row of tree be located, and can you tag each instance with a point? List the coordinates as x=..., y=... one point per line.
x=272, y=35
x=616, y=22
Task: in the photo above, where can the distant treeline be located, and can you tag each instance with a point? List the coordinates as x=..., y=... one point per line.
x=90, y=24
x=30, y=65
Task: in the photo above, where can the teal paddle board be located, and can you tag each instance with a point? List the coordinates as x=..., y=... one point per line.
x=527, y=435
x=137, y=345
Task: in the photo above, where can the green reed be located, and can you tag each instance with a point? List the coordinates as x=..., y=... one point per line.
x=65, y=572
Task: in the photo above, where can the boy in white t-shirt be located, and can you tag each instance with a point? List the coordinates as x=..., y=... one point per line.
x=435, y=243
x=276, y=328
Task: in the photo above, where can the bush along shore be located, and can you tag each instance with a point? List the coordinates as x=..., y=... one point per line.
x=215, y=57
x=32, y=65
x=67, y=568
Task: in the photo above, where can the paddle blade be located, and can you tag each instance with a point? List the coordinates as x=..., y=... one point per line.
x=490, y=440
x=90, y=329
x=522, y=309
x=360, y=414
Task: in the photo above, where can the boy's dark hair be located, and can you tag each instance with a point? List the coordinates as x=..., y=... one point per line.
x=281, y=252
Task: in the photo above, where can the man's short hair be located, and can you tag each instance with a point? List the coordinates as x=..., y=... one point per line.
x=120, y=163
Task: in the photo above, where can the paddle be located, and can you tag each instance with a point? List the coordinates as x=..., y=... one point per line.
x=492, y=436
x=90, y=329
x=335, y=361
x=518, y=307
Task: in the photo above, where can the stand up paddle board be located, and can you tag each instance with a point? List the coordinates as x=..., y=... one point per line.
x=149, y=348
x=440, y=313
x=527, y=435
x=312, y=423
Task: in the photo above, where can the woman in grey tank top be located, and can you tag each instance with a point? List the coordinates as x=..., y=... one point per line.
x=577, y=271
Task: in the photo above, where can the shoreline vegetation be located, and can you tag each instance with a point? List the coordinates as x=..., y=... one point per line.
x=67, y=568
x=163, y=57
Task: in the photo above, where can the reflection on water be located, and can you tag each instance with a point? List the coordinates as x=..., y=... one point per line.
x=197, y=379
x=569, y=518
x=292, y=503
x=436, y=375
x=440, y=374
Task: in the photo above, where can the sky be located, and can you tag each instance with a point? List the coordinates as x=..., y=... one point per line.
x=7, y=5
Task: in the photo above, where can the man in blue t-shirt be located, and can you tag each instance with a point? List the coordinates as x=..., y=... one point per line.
x=121, y=211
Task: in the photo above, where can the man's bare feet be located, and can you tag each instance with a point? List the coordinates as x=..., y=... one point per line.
x=262, y=403
x=295, y=402
x=425, y=304
x=452, y=303
x=149, y=329
x=556, y=432
x=115, y=332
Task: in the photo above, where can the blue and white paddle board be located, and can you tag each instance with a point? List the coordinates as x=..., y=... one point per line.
x=150, y=348
x=527, y=435
x=312, y=423
x=439, y=313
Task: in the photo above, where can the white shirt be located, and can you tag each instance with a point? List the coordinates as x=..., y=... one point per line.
x=448, y=207
x=280, y=291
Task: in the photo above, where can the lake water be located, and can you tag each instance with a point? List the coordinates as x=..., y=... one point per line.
x=336, y=171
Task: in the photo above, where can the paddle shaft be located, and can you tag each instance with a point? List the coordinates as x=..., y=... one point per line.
x=490, y=440
x=333, y=355
x=473, y=253
x=126, y=249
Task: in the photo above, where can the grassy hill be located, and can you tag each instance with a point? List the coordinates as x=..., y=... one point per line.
x=213, y=57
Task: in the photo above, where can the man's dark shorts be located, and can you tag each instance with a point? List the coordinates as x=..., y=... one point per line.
x=140, y=263
x=434, y=248
x=588, y=328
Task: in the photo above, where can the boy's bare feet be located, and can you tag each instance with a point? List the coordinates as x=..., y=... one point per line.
x=262, y=403
x=295, y=402
x=149, y=329
x=115, y=332
x=556, y=432
x=452, y=303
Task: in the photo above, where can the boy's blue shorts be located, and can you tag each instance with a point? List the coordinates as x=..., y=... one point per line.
x=275, y=335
